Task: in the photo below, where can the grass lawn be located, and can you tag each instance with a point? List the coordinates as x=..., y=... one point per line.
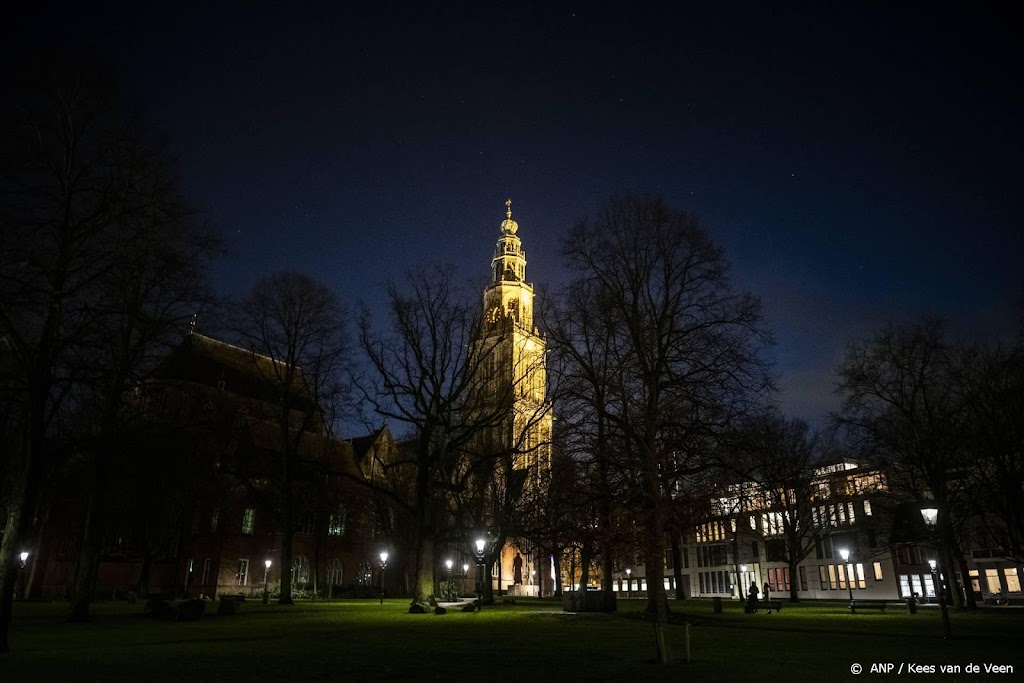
x=530, y=641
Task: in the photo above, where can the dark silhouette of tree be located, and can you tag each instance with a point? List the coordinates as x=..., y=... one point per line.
x=684, y=352
x=101, y=261
x=901, y=407
x=992, y=382
x=435, y=372
x=776, y=459
x=294, y=329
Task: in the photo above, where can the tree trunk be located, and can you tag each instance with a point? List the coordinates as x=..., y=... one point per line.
x=91, y=545
x=586, y=558
x=677, y=566
x=24, y=495
x=557, y=554
x=965, y=576
x=424, y=586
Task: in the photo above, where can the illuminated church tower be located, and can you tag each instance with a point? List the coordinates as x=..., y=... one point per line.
x=517, y=349
x=516, y=361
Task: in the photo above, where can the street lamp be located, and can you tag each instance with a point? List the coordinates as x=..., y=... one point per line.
x=931, y=518
x=448, y=582
x=24, y=558
x=845, y=554
x=479, y=553
x=383, y=566
x=629, y=581
x=266, y=574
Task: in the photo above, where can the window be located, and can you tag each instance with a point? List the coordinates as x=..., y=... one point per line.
x=686, y=558
x=832, y=583
x=867, y=508
x=214, y=520
x=300, y=569
x=822, y=577
x=878, y=571
x=753, y=550
x=802, y=571
x=851, y=514
x=248, y=520
x=842, y=577
x=872, y=540
x=778, y=579
x=206, y=571
x=861, y=583
x=242, y=573
x=975, y=581
x=307, y=523
x=1012, y=580
x=336, y=524
x=992, y=580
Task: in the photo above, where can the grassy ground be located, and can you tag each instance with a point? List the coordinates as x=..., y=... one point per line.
x=532, y=640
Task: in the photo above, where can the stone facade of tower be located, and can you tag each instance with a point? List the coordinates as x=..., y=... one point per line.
x=517, y=361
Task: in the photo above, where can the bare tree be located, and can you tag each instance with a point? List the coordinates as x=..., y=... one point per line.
x=435, y=372
x=685, y=351
x=902, y=409
x=101, y=261
x=776, y=458
x=992, y=381
x=294, y=329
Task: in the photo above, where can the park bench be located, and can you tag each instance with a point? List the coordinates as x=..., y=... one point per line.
x=229, y=604
x=770, y=604
x=880, y=605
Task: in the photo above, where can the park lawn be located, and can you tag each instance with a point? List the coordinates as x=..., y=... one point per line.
x=363, y=640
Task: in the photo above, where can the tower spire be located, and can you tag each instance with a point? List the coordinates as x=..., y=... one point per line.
x=508, y=208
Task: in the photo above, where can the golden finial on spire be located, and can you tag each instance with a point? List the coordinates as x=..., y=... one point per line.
x=509, y=226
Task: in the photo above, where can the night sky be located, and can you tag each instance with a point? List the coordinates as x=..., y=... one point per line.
x=859, y=164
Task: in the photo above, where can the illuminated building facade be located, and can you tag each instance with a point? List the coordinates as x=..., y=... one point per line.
x=515, y=367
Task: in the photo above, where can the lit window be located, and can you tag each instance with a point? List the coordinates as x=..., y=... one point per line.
x=992, y=579
x=878, y=571
x=242, y=573
x=867, y=508
x=248, y=520
x=1012, y=580
x=975, y=581
x=861, y=583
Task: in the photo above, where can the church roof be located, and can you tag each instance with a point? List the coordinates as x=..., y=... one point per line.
x=208, y=361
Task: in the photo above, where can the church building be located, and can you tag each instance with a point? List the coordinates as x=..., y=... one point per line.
x=517, y=366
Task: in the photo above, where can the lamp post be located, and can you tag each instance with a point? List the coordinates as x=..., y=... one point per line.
x=383, y=566
x=20, y=587
x=845, y=554
x=629, y=581
x=931, y=518
x=448, y=581
x=266, y=575
x=465, y=576
x=480, y=546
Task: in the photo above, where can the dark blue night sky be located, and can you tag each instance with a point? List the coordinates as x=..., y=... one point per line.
x=860, y=164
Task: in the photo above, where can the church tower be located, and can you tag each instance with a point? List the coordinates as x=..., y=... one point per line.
x=516, y=365
x=517, y=350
